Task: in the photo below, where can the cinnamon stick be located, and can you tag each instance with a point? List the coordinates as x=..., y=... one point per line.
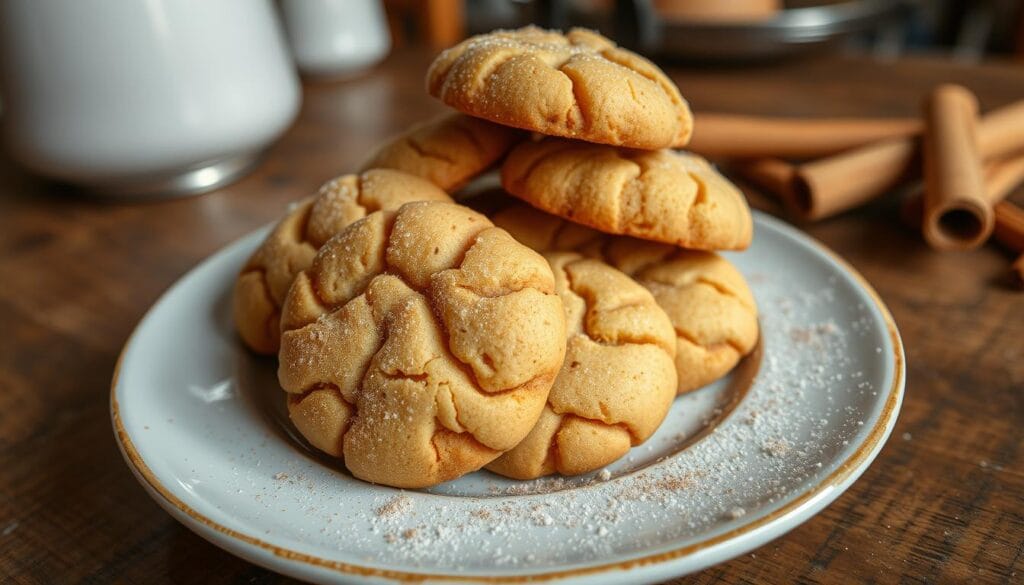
x=837, y=183
x=957, y=215
x=1009, y=228
x=1010, y=233
x=733, y=136
x=1002, y=177
x=829, y=186
x=770, y=174
x=1001, y=132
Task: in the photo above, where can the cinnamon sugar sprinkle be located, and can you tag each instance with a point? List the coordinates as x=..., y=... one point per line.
x=763, y=451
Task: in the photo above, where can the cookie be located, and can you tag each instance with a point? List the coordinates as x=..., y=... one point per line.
x=616, y=383
x=709, y=303
x=577, y=85
x=264, y=280
x=665, y=196
x=421, y=344
x=448, y=151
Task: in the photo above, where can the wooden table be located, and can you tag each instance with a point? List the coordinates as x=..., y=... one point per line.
x=943, y=502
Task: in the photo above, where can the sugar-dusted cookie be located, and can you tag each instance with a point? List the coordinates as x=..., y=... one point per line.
x=665, y=196
x=576, y=85
x=709, y=303
x=616, y=383
x=264, y=280
x=448, y=151
x=421, y=344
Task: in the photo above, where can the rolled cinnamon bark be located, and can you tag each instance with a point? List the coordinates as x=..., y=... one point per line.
x=957, y=215
x=1002, y=177
x=733, y=136
x=1001, y=132
x=1009, y=228
x=1010, y=233
x=837, y=183
x=769, y=174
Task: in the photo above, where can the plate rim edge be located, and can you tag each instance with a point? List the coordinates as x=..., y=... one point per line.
x=848, y=469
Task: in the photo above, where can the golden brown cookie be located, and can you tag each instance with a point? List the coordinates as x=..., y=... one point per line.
x=264, y=280
x=577, y=85
x=665, y=196
x=616, y=383
x=448, y=151
x=709, y=303
x=421, y=344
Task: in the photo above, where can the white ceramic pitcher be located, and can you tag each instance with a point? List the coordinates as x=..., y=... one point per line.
x=143, y=97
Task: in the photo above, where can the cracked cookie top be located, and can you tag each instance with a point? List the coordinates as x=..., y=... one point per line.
x=421, y=344
x=616, y=383
x=576, y=85
x=448, y=151
x=264, y=280
x=666, y=196
x=712, y=310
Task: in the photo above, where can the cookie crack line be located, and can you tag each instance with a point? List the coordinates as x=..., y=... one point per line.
x=458, y=419
x=272, y=322
x=297, y=237
x=315, y=283
x=640, y=267
x=699, y=199
x=634, y=439
x=319, y=386
x=709, y=347
x=624, y=188
x=611, y=55
x=420, y=150
x=723, y=290
x=632, y=91
x=442, y=327
x=433, y=445
x=471, y=136
x=621, y=339
x=424, y=379
x=400, y=375
x=577, y=103
x=364, y=208
x=484, y=77
x=302, y=237
x=696, y=281
x=536, y=162
x=486, y=295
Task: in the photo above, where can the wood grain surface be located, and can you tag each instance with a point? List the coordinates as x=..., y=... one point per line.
x=944, y=502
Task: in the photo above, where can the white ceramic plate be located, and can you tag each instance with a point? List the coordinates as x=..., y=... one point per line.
x=735, y=465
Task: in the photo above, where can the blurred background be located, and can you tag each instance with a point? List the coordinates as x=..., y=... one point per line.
x=722, y=30
x=155, y=98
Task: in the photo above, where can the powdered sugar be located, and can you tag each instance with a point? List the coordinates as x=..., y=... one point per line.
x=745, y=465
x=712, y=466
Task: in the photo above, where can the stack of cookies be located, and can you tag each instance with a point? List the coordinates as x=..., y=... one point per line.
x=420, y=340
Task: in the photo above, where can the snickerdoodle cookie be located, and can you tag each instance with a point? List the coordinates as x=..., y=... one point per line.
x=665, y=196
x=618, y=379
x=577, y=85
x=709, y=303
x=264, y=280
x=421, y=344
x=448, y=151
